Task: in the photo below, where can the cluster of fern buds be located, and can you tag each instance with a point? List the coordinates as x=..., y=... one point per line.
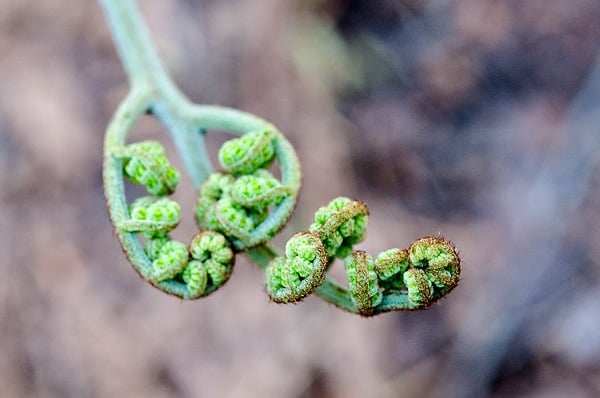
x=242, y=206
x=204, y=265
x=424, y=273
x=237, y=201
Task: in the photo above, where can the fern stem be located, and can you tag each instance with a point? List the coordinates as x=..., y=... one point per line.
x=147, y=73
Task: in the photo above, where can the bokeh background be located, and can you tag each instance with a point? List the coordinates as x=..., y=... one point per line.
x=475, y=119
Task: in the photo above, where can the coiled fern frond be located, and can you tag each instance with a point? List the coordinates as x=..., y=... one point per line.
x=398, y=279
x=242, y=206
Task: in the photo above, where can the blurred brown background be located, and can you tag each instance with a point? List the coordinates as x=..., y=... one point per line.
x=476, y=119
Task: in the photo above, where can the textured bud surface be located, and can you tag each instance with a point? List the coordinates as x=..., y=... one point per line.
x=196, y=278
x=171, y=260
x=211, y=245
x=249, y=205
x=419, y=287
x=212, y=263
x=233, y=219
x=362, y=282
x=391, y=262
x=340, y=225
x=294, y=277
x=154, y=244
x=154, y=214
x=248, y=153
x=145, y=163
x=432, y=253
x=260, y=189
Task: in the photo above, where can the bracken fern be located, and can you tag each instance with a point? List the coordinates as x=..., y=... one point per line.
x=241, y=207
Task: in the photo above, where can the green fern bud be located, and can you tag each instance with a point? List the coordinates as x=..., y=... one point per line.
x=154, y=243
x=235, y=207
x=172, y=259
x=214, y=262
x=340, y=225
x=391, y=262
x=439, y=261
x=432, y=253
x=248, y=153
x=390, y=266
x=233, y=219
x=362, y=282
x=294, y=277
x=211, y=245
x=219, y=273
x=257, y=190
x=420, y=289
x=150, y=214
x=443, y=280
x=333, y=241
x=145, y=163
x=214, y=188
x=249, y=205
x=195, y=277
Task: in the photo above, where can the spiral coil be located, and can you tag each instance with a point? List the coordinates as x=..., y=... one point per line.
x=243, y=206
x=407, y=279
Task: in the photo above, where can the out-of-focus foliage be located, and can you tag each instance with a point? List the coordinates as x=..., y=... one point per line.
x=452, y=116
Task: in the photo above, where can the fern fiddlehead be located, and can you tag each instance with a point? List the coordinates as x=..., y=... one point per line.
x=145, y=163
x=237, y=201
x=258, y=207
x=362, y=282
x=246, y=154
x=240, y=207
x=399, y=279
x=211, y=265
x=150, y=214
x=340, y=225
x=296, y=275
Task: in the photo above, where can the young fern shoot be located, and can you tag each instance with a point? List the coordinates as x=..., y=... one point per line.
x=398, y=279
x=240, y=208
